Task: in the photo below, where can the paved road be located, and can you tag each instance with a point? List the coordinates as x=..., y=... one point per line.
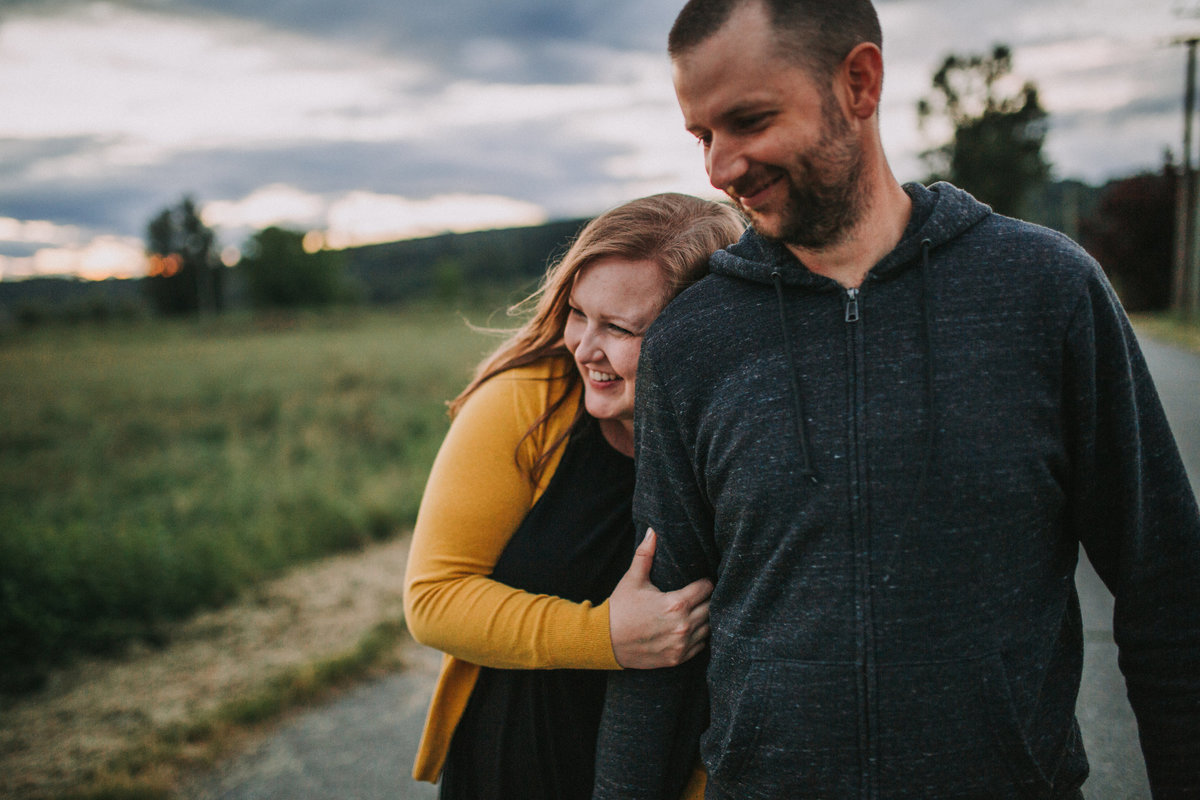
x=361, y=747
x=1177, y=376
x=1109, y=732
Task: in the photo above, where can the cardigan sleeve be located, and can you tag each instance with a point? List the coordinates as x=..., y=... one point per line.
x=477, y=495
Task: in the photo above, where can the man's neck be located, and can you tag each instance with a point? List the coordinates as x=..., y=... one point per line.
x=875, y=235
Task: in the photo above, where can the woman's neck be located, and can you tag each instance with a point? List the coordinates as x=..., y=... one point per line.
x=619, y=434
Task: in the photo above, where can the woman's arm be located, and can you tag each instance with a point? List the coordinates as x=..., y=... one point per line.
x=475, y=499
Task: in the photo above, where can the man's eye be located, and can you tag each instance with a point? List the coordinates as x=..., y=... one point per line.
x=751, y=122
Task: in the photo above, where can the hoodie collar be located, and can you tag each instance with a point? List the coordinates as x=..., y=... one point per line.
x=940, y=213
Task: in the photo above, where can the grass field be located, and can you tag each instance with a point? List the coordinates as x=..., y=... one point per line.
x=148, y=470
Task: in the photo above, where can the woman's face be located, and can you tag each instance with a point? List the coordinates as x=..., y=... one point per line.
x=612, y=303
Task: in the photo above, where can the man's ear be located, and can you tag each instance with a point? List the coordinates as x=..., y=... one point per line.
x=862, y=75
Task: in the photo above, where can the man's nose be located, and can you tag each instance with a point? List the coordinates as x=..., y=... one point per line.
x=724, y=163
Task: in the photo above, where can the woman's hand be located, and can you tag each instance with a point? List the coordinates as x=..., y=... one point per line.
x=649, y=628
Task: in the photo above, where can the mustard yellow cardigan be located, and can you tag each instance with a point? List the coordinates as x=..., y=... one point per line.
x=480, y=488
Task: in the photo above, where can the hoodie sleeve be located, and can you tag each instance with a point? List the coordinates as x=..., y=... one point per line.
x=653, y=719
x=1134, y=511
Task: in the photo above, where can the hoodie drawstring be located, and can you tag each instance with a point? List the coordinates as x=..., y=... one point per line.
x=807, y=469
x=927, y=337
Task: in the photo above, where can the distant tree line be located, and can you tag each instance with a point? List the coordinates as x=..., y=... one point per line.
x=288, y=269
x=277, y=272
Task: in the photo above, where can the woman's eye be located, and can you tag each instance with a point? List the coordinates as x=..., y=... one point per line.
x=621, y=331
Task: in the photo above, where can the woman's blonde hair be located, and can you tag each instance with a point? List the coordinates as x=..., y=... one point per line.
x=677, y=232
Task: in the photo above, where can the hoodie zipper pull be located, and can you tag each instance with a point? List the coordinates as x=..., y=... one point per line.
x=852, y=305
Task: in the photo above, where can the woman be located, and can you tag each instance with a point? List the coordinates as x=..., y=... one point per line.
x=525, y=527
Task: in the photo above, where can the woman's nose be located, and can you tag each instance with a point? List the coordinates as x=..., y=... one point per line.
x=589, y=347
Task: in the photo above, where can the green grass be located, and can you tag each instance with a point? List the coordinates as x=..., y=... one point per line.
x=148, y=470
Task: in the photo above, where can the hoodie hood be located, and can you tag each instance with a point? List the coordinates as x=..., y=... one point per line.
x=940, y=213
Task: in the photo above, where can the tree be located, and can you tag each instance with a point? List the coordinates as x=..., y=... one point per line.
x=185, y=276
x=1131, y=234
x=280, y=273
x=995, y=151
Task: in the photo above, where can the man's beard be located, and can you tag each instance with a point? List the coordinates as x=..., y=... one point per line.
x=825, y=192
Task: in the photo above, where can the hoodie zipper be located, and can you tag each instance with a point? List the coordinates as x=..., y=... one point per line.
x=859, y=524
x=852, y=305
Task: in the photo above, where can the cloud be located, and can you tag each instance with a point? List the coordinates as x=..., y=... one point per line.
x=103, y=257
x=37, y=232
x=533, y=38
x=41, y=247
x=142, y=86
x=361, y=217
x=277, y=204
x=157, y=104
x=1097, y=66
x=365, y=218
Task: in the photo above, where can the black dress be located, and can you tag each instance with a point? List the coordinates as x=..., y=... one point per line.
x=531, y=734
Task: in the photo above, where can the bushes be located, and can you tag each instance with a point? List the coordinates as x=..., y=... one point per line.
x=1132, y=235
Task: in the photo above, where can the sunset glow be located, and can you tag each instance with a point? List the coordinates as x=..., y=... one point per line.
x=159, y=266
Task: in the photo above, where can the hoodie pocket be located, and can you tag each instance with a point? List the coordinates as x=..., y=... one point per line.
x=951, y=730
x=946, y=730
x=789, y=730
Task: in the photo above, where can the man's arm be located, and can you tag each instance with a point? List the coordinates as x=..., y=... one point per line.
x=1134, y=511
x=653, y=718
x=649, y=733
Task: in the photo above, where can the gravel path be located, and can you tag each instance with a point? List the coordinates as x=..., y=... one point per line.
x=359, y=747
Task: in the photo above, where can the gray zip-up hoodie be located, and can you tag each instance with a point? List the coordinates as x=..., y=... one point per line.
x=889, y=488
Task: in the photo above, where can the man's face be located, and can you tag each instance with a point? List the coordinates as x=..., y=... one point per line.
x=775, y=140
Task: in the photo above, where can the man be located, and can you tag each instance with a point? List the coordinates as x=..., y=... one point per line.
x=883, y=426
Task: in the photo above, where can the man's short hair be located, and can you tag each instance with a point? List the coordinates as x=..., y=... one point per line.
x=816, y=35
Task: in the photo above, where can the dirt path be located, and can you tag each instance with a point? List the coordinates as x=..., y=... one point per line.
x=359, y=747
x=99, y=710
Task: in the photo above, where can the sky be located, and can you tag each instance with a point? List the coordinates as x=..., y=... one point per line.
x=376, y=120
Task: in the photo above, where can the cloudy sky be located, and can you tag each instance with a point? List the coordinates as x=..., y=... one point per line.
x=372, y=120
